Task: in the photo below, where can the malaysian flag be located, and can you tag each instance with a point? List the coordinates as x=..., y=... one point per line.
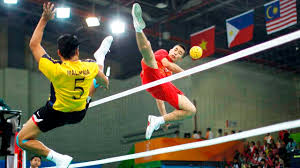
x=280, y=14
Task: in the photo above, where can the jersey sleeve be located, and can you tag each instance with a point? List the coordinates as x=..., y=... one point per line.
x=95, y=69
x=48, y=66
x=161, y=54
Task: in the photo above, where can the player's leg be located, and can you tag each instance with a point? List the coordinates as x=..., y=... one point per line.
x=186, y=109
x=142, y=41
x=100, y=58
x=27, y=140
x=102, y=51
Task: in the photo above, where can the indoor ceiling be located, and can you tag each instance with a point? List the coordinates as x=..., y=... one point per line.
x=180, y=18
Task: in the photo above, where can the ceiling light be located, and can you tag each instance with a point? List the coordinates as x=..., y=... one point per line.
x=92, y=21
x=117, y=27
x=10, y=1
x=161, y=5
x=62, y=12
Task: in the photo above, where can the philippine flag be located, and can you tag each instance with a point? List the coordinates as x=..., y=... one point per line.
x=240, y=28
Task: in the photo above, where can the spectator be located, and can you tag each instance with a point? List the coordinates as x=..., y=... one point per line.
x=254, y=159
x=195, y=135
x=265, y=145
x=277, y=157
x=278, y=143
x=209, y=134
x=291, y=146
x=270, y=155
x=236, y=164
x=177, y=134
x=286, y=138
x=252, y=147
x=268, y=160
x=233, y=132
x=263, y=163
x=281, y=134
x=225, y=133
x=200, y=134
x=268, y=138
x=35, y=161
x=187, y=135
x=277, y=164
x=220, y=132
x=261, y=156
x=258, y=146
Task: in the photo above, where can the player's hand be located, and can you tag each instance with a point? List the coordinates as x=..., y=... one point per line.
x=104, y=85
x=49, y=11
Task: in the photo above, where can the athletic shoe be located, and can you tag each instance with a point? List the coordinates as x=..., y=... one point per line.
x=138, y=21
x=153, y=124
x=104, y=47
x=64, y=162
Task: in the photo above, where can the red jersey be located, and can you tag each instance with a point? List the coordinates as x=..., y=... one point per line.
x=167, y=91
x=159, y=56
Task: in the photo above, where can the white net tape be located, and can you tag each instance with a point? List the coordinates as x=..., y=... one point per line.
x=228, y=138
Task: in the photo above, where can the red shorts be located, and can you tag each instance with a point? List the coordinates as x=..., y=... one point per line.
x=166, y=92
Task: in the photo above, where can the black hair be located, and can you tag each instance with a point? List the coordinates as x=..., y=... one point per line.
x=35, y=157
x=67, y=45
x=182, y=46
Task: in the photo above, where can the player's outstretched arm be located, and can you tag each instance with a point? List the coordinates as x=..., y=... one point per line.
x=36, y=39
x=171, y=66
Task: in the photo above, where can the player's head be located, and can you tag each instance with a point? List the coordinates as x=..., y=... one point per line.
x=35, y=161
x=68, y=46
x=177, y=52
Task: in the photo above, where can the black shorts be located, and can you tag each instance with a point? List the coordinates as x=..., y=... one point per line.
x=46, y=118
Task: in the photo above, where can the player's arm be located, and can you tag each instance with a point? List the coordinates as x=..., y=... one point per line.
x=35, y=41
x=171, y=66
x=102, y=79
x=161, y=107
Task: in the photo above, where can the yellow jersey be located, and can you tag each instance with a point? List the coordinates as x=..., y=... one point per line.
x=70, y=82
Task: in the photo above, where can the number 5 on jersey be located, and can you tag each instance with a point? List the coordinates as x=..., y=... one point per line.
x=78, y=88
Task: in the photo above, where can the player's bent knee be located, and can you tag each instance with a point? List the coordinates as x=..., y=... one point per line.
x=193, y=110
x=20, y=141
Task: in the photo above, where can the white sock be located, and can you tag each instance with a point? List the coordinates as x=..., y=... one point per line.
x=54, y=156
x=100, y=57
x=138, y=30
x=161, y=120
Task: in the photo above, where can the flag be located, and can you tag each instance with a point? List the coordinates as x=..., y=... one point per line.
x=205, y=39
x=280, y=14
x=240, y=28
